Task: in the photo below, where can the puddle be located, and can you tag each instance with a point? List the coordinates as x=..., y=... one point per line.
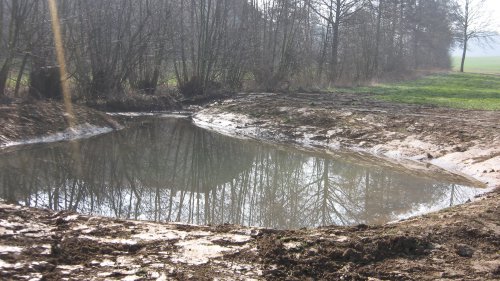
x=166, y=169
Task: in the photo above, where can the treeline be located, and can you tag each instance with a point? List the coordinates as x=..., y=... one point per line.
x=116, y=46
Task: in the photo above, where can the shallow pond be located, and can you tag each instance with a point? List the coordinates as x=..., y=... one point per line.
x=166, y=169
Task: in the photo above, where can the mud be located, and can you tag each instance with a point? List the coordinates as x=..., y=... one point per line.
x=459, y=243
x=137, y=103
x=462, y=141
x=43, y=121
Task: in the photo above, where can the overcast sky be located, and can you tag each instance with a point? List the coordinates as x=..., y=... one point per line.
x=494, y=6
x=475, y=50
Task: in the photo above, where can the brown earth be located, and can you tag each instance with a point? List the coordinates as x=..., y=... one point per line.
x=27, y=120
x=136, y=103
x=459, y=243
x=462, y=141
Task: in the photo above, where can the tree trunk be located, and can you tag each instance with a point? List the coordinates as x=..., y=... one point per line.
x=20, y=74
x=464, y=53
x=3, y=81
x=335, y=51
x=466, y=37
x=377, y=39
x=336, y=41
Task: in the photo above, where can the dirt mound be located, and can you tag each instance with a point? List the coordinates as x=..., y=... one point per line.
x=463, y=141
x=21, y=121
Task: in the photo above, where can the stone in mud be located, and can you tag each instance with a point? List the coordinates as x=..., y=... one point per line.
x=351, y=254
x=464, y=250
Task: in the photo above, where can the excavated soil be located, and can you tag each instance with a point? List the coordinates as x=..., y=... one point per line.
x=29, y=120
x=458, y=243
x=136, y=103
x=462, y=141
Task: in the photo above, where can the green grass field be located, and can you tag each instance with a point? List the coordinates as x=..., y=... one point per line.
x=457, y=90
x=478, y=64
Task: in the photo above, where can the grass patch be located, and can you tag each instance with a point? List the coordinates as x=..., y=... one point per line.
x=478, y=64
x=457, y=90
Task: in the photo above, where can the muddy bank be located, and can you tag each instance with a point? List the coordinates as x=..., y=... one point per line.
x=45, y=121
x=137, y=103
x=462, y=141
x=163, y=102
x=454, y=244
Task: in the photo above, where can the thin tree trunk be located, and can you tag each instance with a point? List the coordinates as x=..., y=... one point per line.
x=3, y=81
x=20, y=74
x=466, y=39
x=323, y=52
x=336, y=41
x=464, y=53
x=378, y=39
x=1, y=20
x=335, y=50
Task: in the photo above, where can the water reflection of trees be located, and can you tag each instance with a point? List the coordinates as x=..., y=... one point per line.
x=169, y=170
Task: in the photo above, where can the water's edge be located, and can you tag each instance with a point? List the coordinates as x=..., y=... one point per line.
x=236, y=125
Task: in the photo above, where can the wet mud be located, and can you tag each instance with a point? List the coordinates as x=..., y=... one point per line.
x=22, y=122
x=460, y=243
x=466, y=142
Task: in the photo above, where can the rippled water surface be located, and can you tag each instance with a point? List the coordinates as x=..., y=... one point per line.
x=166, y=169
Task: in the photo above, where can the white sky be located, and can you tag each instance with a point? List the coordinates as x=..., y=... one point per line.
x=494, y=7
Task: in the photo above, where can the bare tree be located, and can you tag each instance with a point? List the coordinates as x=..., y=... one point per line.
x=335, y=12
x=473, y=23
x=16, y=14
x=117, y=47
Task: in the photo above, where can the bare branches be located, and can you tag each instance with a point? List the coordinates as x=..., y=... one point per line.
x=472, y=22
x=118, y=46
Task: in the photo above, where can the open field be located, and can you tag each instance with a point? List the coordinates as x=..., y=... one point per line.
x=478, y=64
x=456, y=90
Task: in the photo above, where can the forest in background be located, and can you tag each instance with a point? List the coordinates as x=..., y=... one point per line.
x=116, y=47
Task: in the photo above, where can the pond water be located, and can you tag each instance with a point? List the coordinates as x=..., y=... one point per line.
x=166, y=169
